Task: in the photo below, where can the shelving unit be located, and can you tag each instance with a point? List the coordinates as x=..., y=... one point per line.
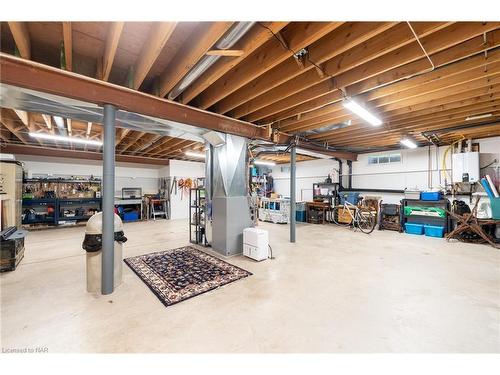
x=331, y=196
x=197, y=216
x=424, y=219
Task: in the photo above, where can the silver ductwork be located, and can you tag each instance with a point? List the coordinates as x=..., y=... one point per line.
x=226, y=42
x=227, y=194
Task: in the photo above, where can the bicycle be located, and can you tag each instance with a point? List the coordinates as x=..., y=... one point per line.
x=363, y=218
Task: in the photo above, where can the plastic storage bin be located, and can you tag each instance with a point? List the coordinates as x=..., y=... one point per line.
x=495, y=208
x=300, y=216
x=411, y=228
x=131, y=216
x=351, y=197
x=431, y=195
x=412, y=194
x=433, y=231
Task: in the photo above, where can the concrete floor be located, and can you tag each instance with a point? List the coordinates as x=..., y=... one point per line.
x=333, y=291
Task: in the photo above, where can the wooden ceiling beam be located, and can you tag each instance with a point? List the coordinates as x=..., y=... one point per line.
x=257, y=36
x=382, y=138
x=418, y=123
x=460, y=87
x=158, y=37
x=175, y=144
x=226, y=52
x=399, y=87
x=39, y=77
x=7, y=118
x=343, y=38
x=131, y=139
x=156, y=145
x=267, y=56
x=442, y=40
x=112, y=40
x=68, y=45
x=433, y=108
x=377, y=45
x=151, y=141
x=85, y=155
x=22, y=39
x=186, y=58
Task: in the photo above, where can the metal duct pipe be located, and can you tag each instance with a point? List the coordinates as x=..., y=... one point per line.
x=226, y=42
x=60, y=125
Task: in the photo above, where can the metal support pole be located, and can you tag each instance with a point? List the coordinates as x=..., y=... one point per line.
x=108, y=197
x=349, y=178
x=292, y=193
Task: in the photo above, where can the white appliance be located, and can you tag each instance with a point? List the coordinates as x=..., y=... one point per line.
x=255, y=243
x=466, y=162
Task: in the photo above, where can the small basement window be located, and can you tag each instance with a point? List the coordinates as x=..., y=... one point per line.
x=384, y=159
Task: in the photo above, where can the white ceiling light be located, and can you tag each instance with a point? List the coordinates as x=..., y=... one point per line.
x=264, y=162
x=408, y=143
x=477, y=117
x=195, y=154
x=61, y=138
x=361, y=112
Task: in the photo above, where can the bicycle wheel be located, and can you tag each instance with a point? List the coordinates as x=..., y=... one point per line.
x=335, y=217
x=366, y=219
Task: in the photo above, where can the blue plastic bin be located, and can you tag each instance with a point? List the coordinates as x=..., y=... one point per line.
x=431, y=195
x=411, y=228
x=131, y=216
x=495, y=208
x=434, y=231
x=351, y=197
x=300, y=216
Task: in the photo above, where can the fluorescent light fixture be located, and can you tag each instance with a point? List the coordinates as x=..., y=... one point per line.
x=361, y=112
x=61, y=138
x=408, y=143
x=195, y=154
x=477, y=117
x=264, y=162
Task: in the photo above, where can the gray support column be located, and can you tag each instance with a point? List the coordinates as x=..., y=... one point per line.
x=108, y=197
x=292, y=194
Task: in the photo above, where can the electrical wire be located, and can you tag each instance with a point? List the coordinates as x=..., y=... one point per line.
x=271, y=252
x=294, y=55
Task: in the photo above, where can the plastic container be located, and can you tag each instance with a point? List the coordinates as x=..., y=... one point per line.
x=131, y=216
x=300, y=216
x=431, y=195
x=412, y=194
x=495, y=208
x=411, y=228
x=424, y=211
x=351, y=197
x=434, y=231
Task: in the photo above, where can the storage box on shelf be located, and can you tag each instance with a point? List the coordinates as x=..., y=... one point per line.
x=275, y=210
x=426, y=213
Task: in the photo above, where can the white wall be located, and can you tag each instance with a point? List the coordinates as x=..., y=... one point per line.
x=307, y=173
x=411, y=172
x=144, y=176
x=183, y=169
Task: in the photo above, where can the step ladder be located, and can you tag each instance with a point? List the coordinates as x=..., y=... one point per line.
x=159, y=208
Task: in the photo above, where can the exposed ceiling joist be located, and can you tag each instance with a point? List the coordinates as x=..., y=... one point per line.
x=203, y=40
x=68, y=45
x=257, y=36
x=21, y=36
x=112, y=40
x=158, y=37
x=270, y=54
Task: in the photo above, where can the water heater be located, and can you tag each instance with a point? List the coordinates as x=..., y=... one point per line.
x=466, y=164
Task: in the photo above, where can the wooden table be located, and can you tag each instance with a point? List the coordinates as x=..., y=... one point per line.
x=322, y=207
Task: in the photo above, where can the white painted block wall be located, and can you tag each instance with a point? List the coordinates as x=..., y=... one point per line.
x=183, y=169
